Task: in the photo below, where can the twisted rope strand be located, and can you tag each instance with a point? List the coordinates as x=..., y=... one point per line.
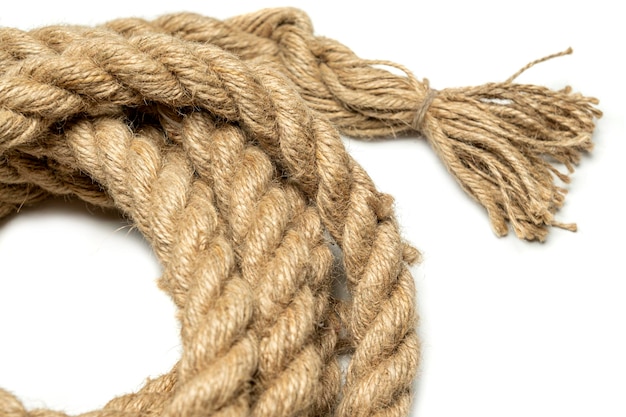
x=282, y=256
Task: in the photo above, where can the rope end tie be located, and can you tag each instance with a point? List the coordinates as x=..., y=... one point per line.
x=418, y=122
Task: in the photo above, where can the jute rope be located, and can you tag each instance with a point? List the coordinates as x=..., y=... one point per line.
x=220, y=141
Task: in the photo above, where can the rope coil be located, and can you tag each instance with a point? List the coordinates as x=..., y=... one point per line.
x=220, y=141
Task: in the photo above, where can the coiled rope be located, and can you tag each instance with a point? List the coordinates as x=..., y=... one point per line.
x=220, y=141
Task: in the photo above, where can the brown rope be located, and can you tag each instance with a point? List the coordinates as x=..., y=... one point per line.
x=220, y=140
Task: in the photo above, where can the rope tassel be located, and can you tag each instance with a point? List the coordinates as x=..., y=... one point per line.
x=500, y=140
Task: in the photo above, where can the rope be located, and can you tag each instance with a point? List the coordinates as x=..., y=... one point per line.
x=220, y=141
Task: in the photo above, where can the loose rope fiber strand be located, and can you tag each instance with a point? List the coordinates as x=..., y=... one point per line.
x=220, y=141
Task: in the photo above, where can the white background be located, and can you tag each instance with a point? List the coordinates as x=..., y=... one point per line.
x=509, y=327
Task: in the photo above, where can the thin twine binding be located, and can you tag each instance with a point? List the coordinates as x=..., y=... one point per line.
x=220, y=141
x=418, y=122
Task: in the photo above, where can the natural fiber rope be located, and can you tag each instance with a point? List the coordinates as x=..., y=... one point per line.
x=218, y=139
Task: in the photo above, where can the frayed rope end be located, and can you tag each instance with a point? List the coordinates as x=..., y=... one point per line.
x=500, y=141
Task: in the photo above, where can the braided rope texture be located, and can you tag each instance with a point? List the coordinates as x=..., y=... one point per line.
x=242, y=187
